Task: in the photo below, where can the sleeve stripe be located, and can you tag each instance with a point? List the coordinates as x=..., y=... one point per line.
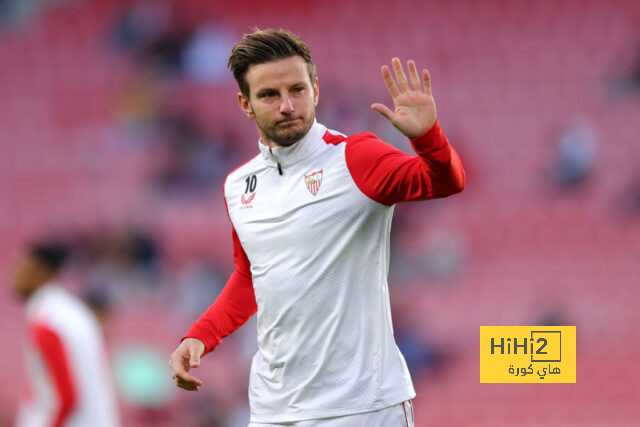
x=55, y=357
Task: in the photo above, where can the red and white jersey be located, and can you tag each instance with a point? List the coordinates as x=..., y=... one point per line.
x=311, y=227
x=70, y=383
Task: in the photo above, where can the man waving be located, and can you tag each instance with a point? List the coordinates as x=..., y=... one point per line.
x=311, y=216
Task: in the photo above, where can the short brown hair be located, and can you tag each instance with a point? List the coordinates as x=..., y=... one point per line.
x=265, y=46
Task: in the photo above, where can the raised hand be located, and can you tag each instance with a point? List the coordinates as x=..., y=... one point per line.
x=185, y=357
x=415, y=108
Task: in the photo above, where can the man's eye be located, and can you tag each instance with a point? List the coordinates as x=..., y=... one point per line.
x=298, y=89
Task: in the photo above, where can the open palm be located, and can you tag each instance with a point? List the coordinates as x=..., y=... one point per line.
x=415, y=108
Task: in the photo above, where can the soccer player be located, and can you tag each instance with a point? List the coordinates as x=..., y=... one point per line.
x=69, y=379
x=311, y=215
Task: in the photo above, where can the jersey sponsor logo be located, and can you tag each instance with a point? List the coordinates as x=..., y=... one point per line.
x=246, y=201
x=313, y=181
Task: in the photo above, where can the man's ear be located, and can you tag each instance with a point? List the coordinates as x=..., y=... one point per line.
x=316, y=92
x=245, y=106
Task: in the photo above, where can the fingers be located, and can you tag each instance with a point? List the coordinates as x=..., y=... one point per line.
x=426, y=79
x=400, y=76
x=184, y=358
x=389, y=82
x=195, y=358
x=413, y=75
x=187, y=382
x=383, y=109
x=182, y=378
x=196, y=348
x=403, y=85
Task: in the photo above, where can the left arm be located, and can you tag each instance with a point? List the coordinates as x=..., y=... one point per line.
x=387, y=175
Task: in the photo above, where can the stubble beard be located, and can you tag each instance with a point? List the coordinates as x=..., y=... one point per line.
x=282, y=135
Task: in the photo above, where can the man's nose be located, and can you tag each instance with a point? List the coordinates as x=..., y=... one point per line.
x=286, y=107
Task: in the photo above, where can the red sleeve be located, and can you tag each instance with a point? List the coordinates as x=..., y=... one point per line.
x=388, y=176
x=55, y=358
x=233, y=307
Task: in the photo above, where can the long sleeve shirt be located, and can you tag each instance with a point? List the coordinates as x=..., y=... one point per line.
x=311, y=226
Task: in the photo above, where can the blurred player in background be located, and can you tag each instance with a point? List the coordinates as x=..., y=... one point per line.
x=70, y=383
x=311, y=216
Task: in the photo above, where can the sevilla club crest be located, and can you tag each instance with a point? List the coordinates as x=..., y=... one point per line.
x=313, y=182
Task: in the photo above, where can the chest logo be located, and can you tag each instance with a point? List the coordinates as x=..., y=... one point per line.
x=246, y=201
x=313, y=181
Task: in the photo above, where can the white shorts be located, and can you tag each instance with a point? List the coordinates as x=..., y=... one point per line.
x=400, y=415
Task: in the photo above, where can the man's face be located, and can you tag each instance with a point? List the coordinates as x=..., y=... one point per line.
x=282, y=100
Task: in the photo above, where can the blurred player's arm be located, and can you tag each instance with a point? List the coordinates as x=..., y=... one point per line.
x=233, y=307
x=388, y=175
x=54, y=356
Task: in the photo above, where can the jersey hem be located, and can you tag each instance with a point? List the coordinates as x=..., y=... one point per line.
x=286, y=418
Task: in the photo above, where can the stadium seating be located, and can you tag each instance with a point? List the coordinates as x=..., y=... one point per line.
x=506, y=75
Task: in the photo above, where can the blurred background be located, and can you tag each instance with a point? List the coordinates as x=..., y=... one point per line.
x=119, y=124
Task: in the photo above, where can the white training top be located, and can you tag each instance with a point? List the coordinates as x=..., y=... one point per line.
x=319, y=265
x=311, y=225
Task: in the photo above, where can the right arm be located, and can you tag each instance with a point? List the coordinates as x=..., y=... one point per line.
x=233, y=307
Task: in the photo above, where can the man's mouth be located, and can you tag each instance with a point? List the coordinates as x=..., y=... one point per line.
x=287, y=121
